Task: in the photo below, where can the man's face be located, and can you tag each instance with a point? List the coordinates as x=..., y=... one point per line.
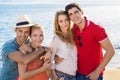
x=22, y=34
x=75, y=15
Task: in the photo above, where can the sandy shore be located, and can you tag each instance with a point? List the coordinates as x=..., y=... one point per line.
x=112, y=74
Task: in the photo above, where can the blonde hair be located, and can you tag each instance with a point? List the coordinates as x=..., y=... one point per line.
x=65, y=38
x=36, y=26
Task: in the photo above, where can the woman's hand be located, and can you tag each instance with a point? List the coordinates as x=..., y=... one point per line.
x=48, y=54
x=46, y=65
x=62, y=78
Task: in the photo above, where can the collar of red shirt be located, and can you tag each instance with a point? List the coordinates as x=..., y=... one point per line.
x=87, y=23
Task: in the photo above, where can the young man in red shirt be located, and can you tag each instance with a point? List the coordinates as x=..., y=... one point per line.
x=90, y=38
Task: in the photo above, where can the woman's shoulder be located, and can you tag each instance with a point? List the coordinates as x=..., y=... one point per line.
x=55, y=37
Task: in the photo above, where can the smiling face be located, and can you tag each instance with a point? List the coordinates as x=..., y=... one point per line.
x=76, y=15
x=63, y=23
x=36, y=37
x=22, y=34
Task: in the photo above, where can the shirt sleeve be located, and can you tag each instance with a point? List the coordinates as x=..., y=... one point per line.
x=53, y=47
x=99, y=33
x=8, y=48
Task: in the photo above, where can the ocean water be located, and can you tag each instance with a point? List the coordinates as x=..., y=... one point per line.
x=106, y=15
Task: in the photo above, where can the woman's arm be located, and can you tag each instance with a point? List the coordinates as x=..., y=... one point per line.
x=47, y=57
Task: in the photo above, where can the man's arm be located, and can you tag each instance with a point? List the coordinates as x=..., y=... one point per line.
x=58, y=59
x=19, y=57
x=107, y=46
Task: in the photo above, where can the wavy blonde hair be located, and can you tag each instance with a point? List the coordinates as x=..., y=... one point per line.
x=69, y=38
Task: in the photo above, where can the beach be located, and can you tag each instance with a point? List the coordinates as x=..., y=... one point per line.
x=112, y=74
x=106, y=15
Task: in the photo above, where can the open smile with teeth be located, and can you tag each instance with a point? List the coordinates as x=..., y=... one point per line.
x=38, y=42
x=22, y=37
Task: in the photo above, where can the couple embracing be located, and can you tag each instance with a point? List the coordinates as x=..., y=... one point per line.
x=79, y=47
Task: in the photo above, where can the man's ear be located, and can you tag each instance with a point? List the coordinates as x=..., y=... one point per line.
x=82, y=12
x=15, y=29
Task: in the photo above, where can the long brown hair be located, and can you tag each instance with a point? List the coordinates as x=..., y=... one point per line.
x=65, y=38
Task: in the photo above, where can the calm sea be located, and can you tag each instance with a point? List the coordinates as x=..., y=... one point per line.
x=106, y=15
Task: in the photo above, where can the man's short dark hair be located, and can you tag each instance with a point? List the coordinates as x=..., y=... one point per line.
x=71, y=5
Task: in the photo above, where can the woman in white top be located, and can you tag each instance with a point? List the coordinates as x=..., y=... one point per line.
x=63, y=45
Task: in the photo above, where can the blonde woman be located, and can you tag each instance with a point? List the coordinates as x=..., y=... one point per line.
x=63, y=45
x=36, y=70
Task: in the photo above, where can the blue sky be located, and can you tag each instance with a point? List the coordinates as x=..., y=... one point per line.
x=56, y=1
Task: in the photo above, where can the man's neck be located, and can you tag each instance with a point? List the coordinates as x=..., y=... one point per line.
x=81, y=25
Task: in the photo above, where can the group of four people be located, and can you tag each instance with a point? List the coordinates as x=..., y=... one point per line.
x=74, y=53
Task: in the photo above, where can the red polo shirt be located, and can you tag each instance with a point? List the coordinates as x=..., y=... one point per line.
x=90, y=53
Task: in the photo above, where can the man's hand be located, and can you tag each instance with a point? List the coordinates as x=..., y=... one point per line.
x=58, y=59
x=25, y=48
x=93, y=75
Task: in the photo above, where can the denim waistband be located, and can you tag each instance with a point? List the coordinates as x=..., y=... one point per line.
x=80, y=76
x=63, y=73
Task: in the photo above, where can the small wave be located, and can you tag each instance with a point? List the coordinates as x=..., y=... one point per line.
x=117, y=47
x=0, y=60
x=0, y=63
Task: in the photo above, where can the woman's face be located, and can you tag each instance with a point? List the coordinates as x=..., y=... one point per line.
x=63, y=22
x=37, y=37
